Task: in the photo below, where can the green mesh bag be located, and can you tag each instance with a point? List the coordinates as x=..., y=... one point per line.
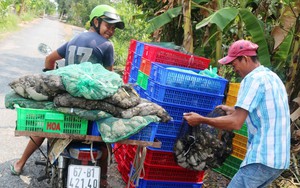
x=83, y=113
x=13, y=98
x=91, y=81
x=116, y=129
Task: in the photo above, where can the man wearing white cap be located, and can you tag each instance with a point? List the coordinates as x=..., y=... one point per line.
x=263, y=103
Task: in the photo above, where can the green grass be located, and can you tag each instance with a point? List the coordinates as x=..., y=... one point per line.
x=9, y=23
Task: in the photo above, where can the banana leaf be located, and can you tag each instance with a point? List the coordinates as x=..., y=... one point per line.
x=281, y=56
x=257, y=32
x=222, y=18
x=163, y=19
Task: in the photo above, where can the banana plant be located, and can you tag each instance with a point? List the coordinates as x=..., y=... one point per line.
x=225, y=17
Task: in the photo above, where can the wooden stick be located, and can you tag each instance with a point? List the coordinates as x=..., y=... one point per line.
x=156, y=144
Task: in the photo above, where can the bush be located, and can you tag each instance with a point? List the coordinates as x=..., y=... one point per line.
x=135, y=27
x=27, y=16
x=9, y=23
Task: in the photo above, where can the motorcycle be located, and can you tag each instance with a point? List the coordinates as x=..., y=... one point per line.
x=78, y=164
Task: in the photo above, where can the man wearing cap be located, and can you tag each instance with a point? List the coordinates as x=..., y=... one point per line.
x=263, y=103
x=92, y=46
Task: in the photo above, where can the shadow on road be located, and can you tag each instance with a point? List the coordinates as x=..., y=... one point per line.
x=28, y=178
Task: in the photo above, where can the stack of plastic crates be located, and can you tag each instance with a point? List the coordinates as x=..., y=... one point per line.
x=178, y=90
x=233, y=162
x=160, y=168
x=141, y=56
x=170, y=79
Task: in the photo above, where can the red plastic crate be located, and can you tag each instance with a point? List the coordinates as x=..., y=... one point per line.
x=124, y=171
x=130, y=56
x=125, y=77
x=172, y=57
x=132, y=45
x=157, y=157
x=145, y=66
x=159, y=172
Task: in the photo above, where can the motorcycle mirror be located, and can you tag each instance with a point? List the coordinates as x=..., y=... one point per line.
x=44, y=49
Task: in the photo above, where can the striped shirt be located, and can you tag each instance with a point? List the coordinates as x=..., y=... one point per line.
x=264, y=96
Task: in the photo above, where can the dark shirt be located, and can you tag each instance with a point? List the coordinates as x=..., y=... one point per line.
x=88, y=47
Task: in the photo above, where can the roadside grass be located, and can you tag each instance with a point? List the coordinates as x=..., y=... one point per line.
x=10, y=23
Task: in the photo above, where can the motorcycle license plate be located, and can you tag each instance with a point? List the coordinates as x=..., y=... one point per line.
x=83, y=176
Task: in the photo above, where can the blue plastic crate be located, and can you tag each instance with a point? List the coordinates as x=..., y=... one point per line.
x=176, y=111
x=171, y=128
x=133, y=73
x=167, y=142
x=139, y=48
x=132, y=80
x=93, y=129
x=186, y=78
x=183, y=97
x=140, y=91
x=166, y=184
x=146, y=134
x=137, y=59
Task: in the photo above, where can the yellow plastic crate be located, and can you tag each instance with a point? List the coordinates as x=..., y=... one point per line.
x=39, y=120
x=233, y=89
x=240, y=140
x=230, y=100
x=239, y=151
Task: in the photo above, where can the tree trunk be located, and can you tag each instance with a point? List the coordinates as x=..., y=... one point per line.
x=188, y=31
x=22, y=6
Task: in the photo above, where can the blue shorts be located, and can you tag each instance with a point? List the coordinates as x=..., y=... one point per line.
x=254, y=176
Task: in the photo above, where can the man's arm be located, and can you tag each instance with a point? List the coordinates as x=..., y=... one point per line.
x=51, y=60
x=234, y=121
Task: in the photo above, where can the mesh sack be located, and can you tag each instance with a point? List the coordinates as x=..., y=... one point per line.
x=91, y=115
x=91, y=81
x=13, y=98
x=201, y=147
x=116, y=129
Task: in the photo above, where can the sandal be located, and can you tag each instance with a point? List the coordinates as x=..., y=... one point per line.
x=13, y=171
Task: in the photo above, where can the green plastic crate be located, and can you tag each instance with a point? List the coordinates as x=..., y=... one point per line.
x=233, y=162
x=230, y=166
x=226, y=170
x=142, y=80
x=39, y=120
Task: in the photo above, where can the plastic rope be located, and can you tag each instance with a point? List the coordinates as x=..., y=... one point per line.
x=91, y=152
x=109, y=153
x=191, y=61
x=138, y=166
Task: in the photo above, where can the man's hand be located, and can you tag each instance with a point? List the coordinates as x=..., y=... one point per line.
x=193, y=118
x=228, y=109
